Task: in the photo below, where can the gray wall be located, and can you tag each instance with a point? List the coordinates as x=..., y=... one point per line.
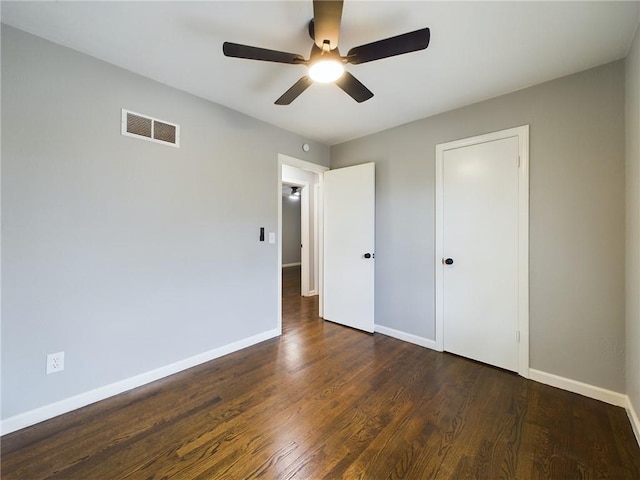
x=577, y=230
x=290, y=230
x=633, y=222
x=125, y=254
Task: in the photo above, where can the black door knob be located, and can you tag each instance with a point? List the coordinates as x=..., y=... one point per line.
x=449, y=261
x=368, y=255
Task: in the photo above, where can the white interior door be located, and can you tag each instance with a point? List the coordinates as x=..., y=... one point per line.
x=480, y=250
x=349, y=232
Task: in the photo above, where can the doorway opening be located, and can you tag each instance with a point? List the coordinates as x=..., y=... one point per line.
x=295, y=241
x=299, y=244
x=306, y=179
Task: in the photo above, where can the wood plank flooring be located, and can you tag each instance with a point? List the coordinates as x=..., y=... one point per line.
x=325, y=401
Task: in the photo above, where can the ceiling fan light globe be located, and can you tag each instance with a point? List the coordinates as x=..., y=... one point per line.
x=326, y=71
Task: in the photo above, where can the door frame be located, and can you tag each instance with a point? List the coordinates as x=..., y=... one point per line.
x=522, y=333
x=318, y=169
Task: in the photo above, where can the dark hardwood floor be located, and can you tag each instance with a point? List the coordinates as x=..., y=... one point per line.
x=324, y=401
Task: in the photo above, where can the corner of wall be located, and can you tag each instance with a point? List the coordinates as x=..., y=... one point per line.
x=632, y=260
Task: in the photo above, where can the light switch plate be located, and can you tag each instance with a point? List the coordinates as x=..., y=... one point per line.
x=272, y=237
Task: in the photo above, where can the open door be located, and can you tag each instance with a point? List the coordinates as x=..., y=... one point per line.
x=349, y=239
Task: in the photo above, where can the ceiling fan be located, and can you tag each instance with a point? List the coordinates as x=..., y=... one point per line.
x=325, y=63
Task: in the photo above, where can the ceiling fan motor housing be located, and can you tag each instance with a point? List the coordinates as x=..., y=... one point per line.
x=324, y=29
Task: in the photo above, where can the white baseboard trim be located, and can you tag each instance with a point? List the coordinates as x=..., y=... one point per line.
x=406, y=337
x=591, y=391
x=633, y=418
x=297, y=264
x=41, y=414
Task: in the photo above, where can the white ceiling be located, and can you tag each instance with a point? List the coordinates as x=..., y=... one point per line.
x=478, y=50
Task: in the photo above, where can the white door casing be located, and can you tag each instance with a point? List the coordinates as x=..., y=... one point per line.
x=349, y=233
x=317, y=201
x=482, y=225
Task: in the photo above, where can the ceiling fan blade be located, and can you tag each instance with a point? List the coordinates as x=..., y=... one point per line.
x=255, y=53
x=390, y=47
x=327, y=15
x=295, y=91
x=352, y=86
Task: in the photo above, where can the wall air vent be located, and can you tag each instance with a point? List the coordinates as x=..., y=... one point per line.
x=148, y=128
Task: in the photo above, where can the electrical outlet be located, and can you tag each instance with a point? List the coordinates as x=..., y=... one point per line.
x=55, y=362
